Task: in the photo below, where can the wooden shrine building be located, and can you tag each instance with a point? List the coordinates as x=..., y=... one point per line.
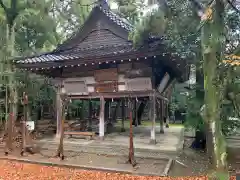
x=99, y=62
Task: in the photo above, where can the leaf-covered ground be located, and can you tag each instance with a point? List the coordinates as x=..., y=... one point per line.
x=19, y=171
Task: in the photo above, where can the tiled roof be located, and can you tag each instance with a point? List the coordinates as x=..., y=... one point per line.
x=123, y=22
x=97, y=43
x=79, y=53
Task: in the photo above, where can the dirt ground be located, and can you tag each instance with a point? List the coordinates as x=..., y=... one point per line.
x=193, y=163
x=19, y=171
x=187, y=163
x=145, y=166
x=11, y=170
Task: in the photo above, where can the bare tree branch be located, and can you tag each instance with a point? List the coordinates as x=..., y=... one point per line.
x=3, y=5
x=234, y=7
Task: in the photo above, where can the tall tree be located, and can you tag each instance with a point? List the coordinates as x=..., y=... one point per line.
x=186, y=39
x=11, y=13
x=213, y=41
x=14, y=15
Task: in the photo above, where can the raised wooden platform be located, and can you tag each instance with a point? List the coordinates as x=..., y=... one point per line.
x=168, y=145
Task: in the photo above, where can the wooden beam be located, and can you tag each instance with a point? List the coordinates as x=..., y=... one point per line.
x=122, y=94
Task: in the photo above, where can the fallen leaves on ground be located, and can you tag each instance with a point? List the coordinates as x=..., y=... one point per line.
x=11, y=170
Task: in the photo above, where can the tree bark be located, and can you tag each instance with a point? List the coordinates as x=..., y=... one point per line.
x=212, y=40
x=11, y=86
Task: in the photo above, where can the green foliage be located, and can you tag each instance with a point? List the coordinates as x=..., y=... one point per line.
x=39, y=27
x=130, y=9
x=195, y=104
x=154, y=23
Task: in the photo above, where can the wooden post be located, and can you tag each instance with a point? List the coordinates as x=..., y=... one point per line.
x=153, y=119
x=161, y=117
x=115, y=112
x=123, y=115
x=131, y=158
x=140, y=111
x=23, y=122
x=65, y=100
x=90, y=115
x=166, y=115
x=101, y=118
x=82, y=116
x=135, y=121
x=58, y=111
x=109, y=114
x=106, y=110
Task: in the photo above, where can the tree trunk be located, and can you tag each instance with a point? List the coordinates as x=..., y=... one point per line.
x=11, y=86
x=212, y=36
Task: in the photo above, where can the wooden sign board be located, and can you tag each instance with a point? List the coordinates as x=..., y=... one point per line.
x=75, y=87
x=30, y=125
x=124, y=67
x=163, y=83
x=139, y=84
x=137, y=73
x=106, y=75
x=106, y=87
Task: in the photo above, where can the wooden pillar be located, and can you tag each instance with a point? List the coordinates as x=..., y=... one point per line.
x=123, y=115
x=58, y=111
x=90, y=108
x=153, y=119
x=65, y=101
x=101, y=118
x=106, y=110
x=136, y=112
x=81, y=111
x=115, y=112
x=166, y=115
x=131, y=158
x=110, y=111
x=135, y=121
x=161, y=116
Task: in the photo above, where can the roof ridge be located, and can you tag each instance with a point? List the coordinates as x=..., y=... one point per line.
x=117, y=19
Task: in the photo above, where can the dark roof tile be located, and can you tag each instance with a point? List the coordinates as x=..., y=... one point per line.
x=123, y=22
